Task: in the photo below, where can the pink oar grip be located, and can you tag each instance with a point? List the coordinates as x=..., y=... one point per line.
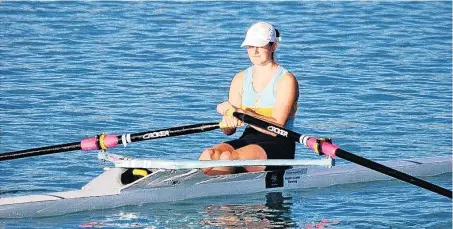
x=90, y=143
x=326, y=148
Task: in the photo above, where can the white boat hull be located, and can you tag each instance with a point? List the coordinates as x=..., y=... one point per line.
x=106, y=190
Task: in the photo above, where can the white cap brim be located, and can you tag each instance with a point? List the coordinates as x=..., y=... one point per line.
x=255, y=43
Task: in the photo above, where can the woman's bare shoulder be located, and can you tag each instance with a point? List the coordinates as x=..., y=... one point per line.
x=239, y=76
x=288, y=78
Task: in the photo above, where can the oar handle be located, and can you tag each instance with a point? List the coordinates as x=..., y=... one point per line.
x=326, y=147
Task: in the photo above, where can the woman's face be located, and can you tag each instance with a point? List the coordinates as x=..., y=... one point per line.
x=260, y=55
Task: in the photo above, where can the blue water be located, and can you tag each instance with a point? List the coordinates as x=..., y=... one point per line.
x=374, y=76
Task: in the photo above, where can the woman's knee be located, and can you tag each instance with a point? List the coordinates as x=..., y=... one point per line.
x=206, y=155
x=210, y=154
x=226, y=155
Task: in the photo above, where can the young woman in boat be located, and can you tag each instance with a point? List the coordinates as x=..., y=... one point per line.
x=265, y=90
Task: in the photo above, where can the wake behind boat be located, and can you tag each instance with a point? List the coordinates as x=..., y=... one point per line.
x=108, y=190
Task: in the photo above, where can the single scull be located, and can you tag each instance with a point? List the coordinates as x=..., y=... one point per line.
x=176, y=181
x=135, y=181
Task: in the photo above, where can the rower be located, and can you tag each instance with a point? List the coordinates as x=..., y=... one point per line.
x=265, y=90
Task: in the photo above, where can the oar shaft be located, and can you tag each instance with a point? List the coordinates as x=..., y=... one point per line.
x=40, y=151
x=172, y=132
x=392, y=172
x=109, y=141
x=281, y=132
x=333, y=150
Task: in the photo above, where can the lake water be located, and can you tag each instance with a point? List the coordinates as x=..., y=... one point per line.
x=375, y=76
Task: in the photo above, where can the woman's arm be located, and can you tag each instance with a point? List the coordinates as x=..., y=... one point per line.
x=286, y=95
x=234, y=102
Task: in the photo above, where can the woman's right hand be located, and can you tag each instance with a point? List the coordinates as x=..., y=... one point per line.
x=229, y=123
x=223, y=107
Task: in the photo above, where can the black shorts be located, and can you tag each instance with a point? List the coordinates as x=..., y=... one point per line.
x=275, y=148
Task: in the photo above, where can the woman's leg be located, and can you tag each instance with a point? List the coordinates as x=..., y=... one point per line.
x=250, y=152
x=226, y=152
x=217, y=153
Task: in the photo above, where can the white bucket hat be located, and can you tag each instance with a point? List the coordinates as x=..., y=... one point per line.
x=260, y=34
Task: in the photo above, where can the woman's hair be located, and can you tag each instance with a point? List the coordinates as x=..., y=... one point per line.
x=277, y=34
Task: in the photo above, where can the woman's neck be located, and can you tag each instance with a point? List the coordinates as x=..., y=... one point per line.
x=262, y=75
x=267, y=69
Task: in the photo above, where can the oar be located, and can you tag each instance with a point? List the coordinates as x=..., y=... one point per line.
x=326, y=147
x=108, y=141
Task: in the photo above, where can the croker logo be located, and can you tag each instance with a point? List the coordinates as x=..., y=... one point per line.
x=277, y=131
x=156, y=134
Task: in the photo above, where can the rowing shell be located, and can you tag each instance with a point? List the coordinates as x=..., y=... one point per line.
x=163, y=185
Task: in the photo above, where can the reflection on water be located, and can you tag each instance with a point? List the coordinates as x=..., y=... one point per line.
x=261, y=210
x=274, y=213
